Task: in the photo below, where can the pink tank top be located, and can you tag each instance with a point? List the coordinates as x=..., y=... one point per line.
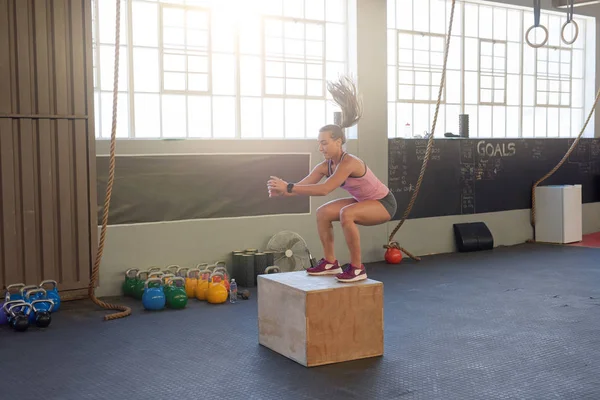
x=365, y=187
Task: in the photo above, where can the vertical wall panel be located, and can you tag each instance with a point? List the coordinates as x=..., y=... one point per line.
x=46, y=224
x=48, y=252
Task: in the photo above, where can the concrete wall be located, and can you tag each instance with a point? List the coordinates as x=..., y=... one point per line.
x=191, y=242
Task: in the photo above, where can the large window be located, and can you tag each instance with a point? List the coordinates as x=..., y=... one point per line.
x=219, y=68
x=507, y=88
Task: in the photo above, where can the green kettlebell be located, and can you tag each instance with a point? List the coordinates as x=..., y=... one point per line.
x=129, y=283
x=166, y=282
x=140, y=281
x=175, y=292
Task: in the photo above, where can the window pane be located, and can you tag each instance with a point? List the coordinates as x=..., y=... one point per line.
x=499, y=124
x=295, y=87
x=577, y=95
x=250, y=38
x=335, y=42
x=512, y=121
x=251, y=117
x=473, y=120
x=199, y=115
x=223, y=117
x=144, y=24
x=250, y=76
x=421, y=119
x=315, y=9
x=106, y=22
x=315, y=117
x=565, y=123
x=471, y=14
x=471, y=88
x=553, y=123
x=294, y=118
x=438, y=17
x=540, y=122
x=107, y=63
x=147, y=116
x=174, y=62
x=174, y=115
x=145, y=70
x=513, y=90
x=197, y=82
x=335, y=10
x=223, y=74
x=122, y=111
x=528, y=122
x=404, y=16
x=293, y=8
x=404, y=115
x=453, y=86
x=486, y=22
x=514, y=31
x=273, y=121
x=485, y=121
x=391, y=126
x=452, y=113
x=174, y=81
x=528, y=90
x=440, y=124
x=500, y=24
x=421, y=15
x=97, y=114
x=514, y=58
x=578, y=63
x=471, y=54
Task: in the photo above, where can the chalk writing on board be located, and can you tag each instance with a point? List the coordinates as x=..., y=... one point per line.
x=581, y=153
x=467, y=177
x=421, y=151
x=595, y=148
x=537, y=152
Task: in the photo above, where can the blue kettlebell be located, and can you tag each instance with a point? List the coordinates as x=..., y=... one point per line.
x=15, y=287
x=154, y=297
x=52, y=294
x=35, y=295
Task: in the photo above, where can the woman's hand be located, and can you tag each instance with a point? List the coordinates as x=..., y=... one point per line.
x=277, y=187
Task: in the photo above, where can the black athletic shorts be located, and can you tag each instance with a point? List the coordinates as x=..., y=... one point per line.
x=389, y=202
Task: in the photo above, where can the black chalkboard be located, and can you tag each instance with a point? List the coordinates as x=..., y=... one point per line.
x=471, y=176
x=178, y=187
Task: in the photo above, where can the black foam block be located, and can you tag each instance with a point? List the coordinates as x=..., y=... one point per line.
x=473, y=236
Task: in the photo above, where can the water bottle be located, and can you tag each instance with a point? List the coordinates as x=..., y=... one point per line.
x=232, y=291
x=407, y=131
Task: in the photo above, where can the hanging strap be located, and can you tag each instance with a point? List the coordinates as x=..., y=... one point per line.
x=537, y=12
x=570, y=20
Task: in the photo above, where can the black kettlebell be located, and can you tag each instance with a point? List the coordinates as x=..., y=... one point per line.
x=42, y=315
x=19, y=320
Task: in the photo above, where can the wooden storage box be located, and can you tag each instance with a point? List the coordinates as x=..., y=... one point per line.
x=316, y=320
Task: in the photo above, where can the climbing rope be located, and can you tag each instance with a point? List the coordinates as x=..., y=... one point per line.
x=125, y=311
x=393, y=244
x=565, y=157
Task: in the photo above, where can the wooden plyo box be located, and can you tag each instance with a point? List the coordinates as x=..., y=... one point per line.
x=316, y=320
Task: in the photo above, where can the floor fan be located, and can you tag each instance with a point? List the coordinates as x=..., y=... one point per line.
x=291, y=252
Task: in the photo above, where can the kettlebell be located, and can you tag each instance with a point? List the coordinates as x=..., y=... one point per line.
x=43, y=316
x=171, y=269
x=36, y=295
x=25, y=290
x=154, y=297
x=129, y=282
x=153, y=269
x=16, y=288
x=272, y=268
x=4, y=311
x=166, y=280
x=140, y=281
x=182, y=272
x=19, y=320
x=176, y=297
x=191, y=282
x=202, y=285
x=222, y=266
x=52, y=294
x=216, y=293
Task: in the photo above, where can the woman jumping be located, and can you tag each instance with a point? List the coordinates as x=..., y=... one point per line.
x=371, y=203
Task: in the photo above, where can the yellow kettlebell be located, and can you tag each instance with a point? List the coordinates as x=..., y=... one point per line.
x=202, y=285
x=191, y=282
x=217, y=292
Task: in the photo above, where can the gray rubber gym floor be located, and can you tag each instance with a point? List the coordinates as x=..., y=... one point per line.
x=513, y=323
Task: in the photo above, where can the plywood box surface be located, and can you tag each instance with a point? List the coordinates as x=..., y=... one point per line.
x=316, y=320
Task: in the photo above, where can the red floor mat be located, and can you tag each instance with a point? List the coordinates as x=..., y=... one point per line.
x=590, y=240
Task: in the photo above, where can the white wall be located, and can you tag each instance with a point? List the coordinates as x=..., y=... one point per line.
x=191, y=242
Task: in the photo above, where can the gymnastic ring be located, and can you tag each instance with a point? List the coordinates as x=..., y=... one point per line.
x=562, y=33
x=529, y=31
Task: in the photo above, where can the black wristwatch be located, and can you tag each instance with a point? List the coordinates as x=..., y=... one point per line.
x=290, y=186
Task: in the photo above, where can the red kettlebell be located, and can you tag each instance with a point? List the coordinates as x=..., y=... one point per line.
x=393, y=255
